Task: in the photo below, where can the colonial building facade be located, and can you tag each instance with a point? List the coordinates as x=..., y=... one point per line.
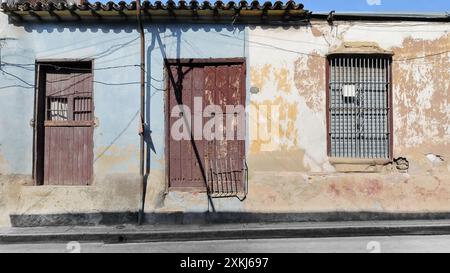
x=248, y=112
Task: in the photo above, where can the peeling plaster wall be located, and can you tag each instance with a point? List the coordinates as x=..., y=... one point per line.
x=288, y=66
x=291, y=172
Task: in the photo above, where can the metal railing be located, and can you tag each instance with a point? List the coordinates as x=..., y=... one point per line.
x=227, y=177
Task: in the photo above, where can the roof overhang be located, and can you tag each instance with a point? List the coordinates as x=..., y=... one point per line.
x=378, y=16
x=194, y=11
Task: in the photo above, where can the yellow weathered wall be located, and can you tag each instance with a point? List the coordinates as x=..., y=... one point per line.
x=294, y=174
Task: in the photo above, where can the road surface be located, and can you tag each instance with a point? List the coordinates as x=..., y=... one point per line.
x=385, y=244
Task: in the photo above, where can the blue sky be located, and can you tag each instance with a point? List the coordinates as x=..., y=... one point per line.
x=364, y=5
x=378, y=5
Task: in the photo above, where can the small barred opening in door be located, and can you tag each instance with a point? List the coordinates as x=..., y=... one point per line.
x=64, y=124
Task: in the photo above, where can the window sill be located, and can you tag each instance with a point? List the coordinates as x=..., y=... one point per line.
x=187, y=189
x=68, y=123
x=359, y=165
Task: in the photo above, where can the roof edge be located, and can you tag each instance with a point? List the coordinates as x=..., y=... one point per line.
x=378, y=16
x=235, y=11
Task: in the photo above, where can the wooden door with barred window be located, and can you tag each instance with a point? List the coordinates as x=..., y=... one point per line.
x=217, y=164
x=67, y=150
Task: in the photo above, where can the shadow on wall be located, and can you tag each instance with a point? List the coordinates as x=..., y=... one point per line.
x=156, y=44
x=119, y=218
x=124, y=27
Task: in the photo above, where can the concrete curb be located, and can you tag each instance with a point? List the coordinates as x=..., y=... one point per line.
x=134, y=234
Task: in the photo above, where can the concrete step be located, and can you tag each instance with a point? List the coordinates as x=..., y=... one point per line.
x=155, y=233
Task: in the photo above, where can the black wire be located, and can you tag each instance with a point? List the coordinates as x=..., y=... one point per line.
x=57, y=67
x=98, y=82
x=18, y=78
x=422, y=57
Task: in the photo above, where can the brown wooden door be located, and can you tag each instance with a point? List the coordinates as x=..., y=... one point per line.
x=216, y=83
x=68, y=124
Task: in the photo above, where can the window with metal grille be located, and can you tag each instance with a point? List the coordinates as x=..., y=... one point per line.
x=67, y=96
x=82, y=108
x=359, y=102
x=57, y=108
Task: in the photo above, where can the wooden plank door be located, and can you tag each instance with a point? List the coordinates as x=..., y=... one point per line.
x=68, y=125
x=225, y=86
x=220, y=84
x=185, y=155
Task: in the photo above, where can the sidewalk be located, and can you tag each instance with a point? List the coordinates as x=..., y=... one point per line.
x=156, y=233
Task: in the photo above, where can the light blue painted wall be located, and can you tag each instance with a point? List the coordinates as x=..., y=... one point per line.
x=115, y=51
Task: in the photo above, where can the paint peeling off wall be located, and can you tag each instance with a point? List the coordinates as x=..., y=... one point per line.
x=299, y=177
x=422, y=95
x=310, y=74
x=290, y=75
x=287, y=135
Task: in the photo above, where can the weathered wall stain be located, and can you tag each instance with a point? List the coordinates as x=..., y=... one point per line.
x=316, y=31
x=3, y=165
x=309, y=80
x=283, y=80
x=351, y=192
x=273, y=161
x=107, y=159
x=279, y=132
x=281, y=173
x=333, y=190
x=370, y=187
x=421, y=96
x=275, y=89
x=258, y=76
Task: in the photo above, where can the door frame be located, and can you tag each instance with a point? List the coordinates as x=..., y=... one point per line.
x=38, y=120
x=200, y=62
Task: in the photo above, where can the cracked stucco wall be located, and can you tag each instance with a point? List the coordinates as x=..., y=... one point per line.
x=290, y=173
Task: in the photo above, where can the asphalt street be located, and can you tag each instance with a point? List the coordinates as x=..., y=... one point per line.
x=383, y=244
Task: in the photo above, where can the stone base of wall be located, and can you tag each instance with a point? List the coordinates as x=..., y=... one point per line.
x=187, y=218
x=272, y=197
x=73, y=219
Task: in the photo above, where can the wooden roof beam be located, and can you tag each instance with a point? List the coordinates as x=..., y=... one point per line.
x=51, y=10
x=96, y=14
x=17, y=17
x=35, y=15
x=76, y=15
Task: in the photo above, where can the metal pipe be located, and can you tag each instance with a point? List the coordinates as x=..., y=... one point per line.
x=142, y=111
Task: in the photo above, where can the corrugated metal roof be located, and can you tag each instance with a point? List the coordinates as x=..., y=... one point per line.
x=241, y=11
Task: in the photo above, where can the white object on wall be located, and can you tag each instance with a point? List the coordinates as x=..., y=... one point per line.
x=349, y=90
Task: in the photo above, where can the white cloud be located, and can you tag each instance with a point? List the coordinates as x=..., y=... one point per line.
x=374, y=2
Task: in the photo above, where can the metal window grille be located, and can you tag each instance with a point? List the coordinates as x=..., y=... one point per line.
x=57, y=108
x=82, y=108
x=359, y=111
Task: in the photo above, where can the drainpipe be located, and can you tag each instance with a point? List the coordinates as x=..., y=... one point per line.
x=142, y=112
